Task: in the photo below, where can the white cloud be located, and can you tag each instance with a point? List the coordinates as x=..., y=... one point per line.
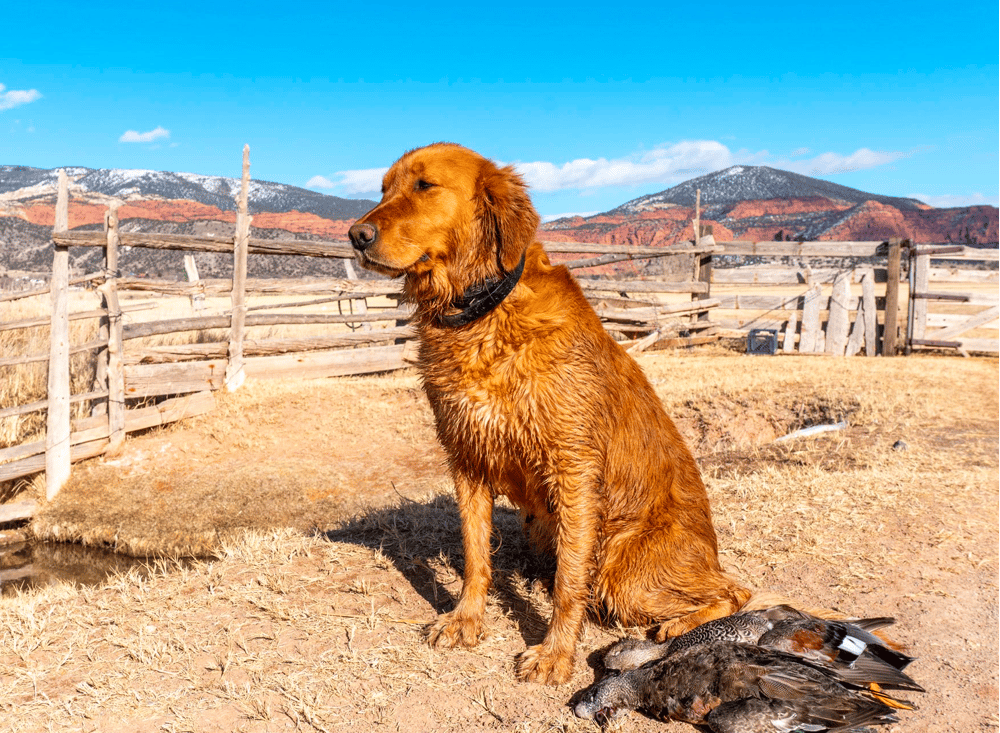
x=368, y=180
x=664, y=165
x=800, y=151
x=133, y=136
x=319, y=182
x=17, y=97
x=827, y=164
x=661, y=165
x=947, y=201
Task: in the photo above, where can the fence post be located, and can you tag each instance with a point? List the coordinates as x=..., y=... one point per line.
x=57, y=425
x=916, y=323
x=870, y=311
x=235, y=372
x=892, y=268
x=116, y=356
x=703, y=266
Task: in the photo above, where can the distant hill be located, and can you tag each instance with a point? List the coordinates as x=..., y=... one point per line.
x=178, y=203
x=761, y=203
x=743, y=202
x=23, y=182
x=758, y=183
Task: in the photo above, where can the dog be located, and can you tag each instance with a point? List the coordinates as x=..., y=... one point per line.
x=533, y=400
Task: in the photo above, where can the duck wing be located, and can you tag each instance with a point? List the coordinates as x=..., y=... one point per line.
x=854, y=654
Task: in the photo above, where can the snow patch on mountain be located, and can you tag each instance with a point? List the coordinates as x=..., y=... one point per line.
x=755, y=183
x=22, y=182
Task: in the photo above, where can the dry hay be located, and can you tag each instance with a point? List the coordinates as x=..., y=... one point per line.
x=321, y=630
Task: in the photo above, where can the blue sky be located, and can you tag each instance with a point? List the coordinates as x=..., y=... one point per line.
x=596, y=104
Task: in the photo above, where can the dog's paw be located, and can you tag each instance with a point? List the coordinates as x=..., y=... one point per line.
x=541, y=664
x=451, y=630
x=670, y=629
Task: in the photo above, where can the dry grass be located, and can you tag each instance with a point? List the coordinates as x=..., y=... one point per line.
x=322, y=630
x=26, y=383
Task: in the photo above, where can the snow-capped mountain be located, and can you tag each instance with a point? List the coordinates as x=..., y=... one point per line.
x=757, y=183
x=21, y=182
x=758, y=203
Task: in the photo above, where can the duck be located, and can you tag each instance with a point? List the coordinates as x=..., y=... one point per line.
x=848, y=648
x=768, y=671
x=735, y=687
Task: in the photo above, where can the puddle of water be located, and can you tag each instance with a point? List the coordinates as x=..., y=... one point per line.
x=29, y=565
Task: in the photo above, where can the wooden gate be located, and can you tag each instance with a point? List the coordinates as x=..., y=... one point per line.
x=953, y=304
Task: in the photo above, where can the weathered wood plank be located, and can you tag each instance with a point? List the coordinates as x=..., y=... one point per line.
x=801, y=249
x=947, y=320
x=892, y=270
x=36, y=463
x=17, y=511
x=838, y=322
x=965, y=298
x=988, y=346
x=266, y=286
x=642, y=315
x=116, y=361
x=266, y=347
x=57, y=444
x=988, y=315
x=808, y=338
x=643, y=286
x=328, y=364
x=189, y=243
x=156, y=328
x=234, y=367
x=921, y=276
x=591, y=248
x=960, y=275
x=857, y=338
x=155, y=380
x=870, y=312
x=788, y=346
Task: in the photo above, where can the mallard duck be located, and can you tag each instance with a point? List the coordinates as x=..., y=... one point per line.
x=848, y=648
x=734, y=687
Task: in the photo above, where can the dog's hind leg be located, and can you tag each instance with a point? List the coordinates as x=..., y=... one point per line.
x=463, y=626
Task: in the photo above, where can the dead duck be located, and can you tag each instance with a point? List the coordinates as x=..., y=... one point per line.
x=734, y=687
x=848, y=648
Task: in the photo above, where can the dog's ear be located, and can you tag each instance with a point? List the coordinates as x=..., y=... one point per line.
x=506, y=219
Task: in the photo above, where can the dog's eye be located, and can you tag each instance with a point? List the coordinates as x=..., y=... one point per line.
x=422, y=185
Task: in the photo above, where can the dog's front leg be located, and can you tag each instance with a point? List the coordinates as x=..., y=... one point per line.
x=463, y=626
x=551, y=662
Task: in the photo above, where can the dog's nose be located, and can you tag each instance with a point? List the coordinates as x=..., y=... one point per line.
x=363, y=236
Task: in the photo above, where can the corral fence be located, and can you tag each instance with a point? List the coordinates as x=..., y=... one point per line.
x=840, y=298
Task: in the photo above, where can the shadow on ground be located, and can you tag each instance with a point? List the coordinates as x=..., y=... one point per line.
x=423, y=540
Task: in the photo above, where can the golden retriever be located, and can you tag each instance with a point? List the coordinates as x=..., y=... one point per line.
x=534, y=401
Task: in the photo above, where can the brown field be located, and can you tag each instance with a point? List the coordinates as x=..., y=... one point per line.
x=335, y=540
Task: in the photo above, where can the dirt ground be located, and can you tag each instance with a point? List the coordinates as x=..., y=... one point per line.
x=334, y=540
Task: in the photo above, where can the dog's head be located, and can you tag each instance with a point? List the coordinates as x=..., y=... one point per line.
x=449, y=219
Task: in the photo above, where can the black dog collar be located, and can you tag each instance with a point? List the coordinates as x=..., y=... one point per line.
x=480, y=299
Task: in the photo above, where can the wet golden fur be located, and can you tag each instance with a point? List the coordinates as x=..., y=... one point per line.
x=537, y=403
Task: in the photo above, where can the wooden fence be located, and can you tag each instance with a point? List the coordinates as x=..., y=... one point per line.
x=845, y=298
x=704, y=297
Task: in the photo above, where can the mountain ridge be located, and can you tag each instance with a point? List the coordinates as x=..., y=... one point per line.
x=760, y=203
x=217, y=191
x=800, y=208
x=740, y=183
